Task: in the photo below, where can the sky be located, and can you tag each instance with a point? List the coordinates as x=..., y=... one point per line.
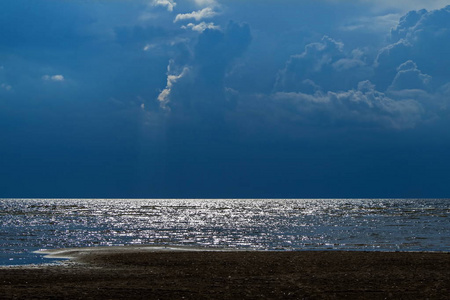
x=224, y=99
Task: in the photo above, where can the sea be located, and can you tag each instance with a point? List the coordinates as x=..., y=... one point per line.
x=28, y=225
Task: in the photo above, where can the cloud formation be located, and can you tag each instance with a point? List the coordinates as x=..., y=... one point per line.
x=362, y=108
x=202, y=89
x=152, y=95
x=164, y=96
x=53, y=77
x=201, y=26
x=409, y=77
x=205, y=13
x=169, y=4
x=323, y=65
x=330, y=85
x=421, y=36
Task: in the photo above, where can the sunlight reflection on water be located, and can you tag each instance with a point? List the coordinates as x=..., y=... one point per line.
x=261, y=224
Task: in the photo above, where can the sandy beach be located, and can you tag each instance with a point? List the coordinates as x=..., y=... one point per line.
x=142, y=274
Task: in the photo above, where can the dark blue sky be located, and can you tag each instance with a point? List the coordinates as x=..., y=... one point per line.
x=218, y=99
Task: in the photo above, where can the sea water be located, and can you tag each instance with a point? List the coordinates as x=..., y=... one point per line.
x=28, y=225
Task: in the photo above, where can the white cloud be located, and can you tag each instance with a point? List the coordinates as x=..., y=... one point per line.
x=164, y=96
x=58, y=78
x=53, y=77
x=149, y=47
x=200, y=27
x=205, y=13
x=170, y=4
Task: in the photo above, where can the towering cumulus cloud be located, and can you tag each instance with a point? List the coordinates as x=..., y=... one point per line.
x=201, y=90
x=322, y=65
x=422, y=37
x=409, y=77
x=322, y=80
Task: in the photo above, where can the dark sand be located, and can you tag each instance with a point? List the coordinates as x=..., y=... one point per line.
x=234, y=275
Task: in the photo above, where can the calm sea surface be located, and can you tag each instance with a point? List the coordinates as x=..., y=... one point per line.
x=262, y=224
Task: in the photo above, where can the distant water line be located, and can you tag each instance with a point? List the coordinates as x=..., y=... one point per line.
x=28, y=225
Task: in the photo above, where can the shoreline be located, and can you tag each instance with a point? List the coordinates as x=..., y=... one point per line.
x=75, y=254
x=149, y=272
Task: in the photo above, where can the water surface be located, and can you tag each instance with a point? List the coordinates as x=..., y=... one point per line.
x=28, y=225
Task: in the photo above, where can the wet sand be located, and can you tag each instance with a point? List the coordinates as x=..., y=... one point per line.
x=137, y=273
